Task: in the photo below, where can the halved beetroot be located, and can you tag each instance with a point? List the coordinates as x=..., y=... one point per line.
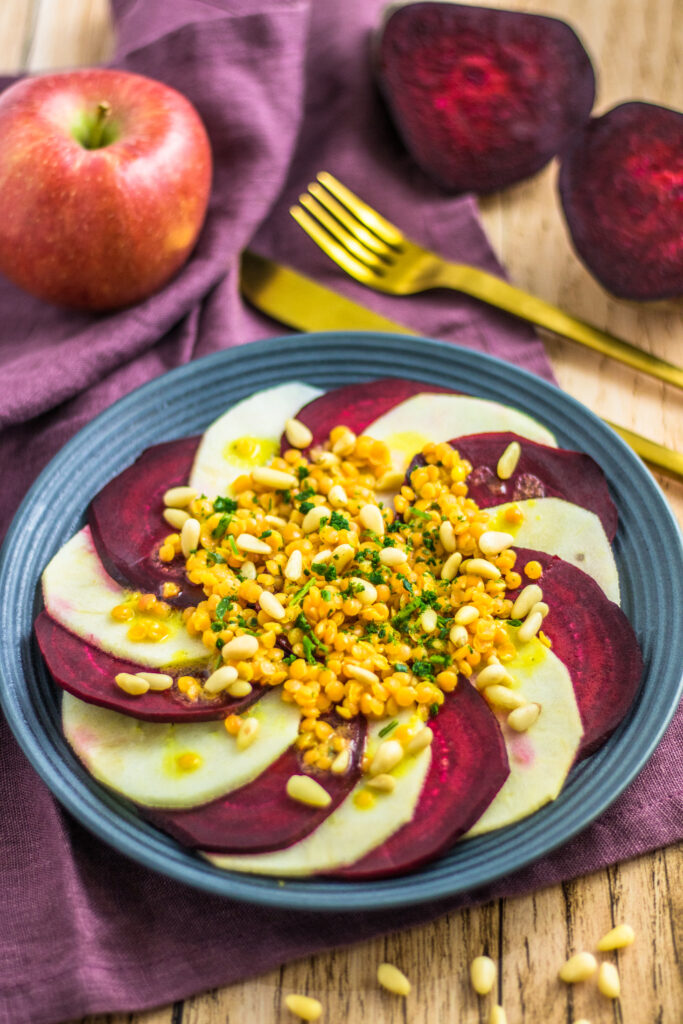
x=482, y=98
x=542, y=472
x=469, y=765
x=358, y=405
x=88, y=673
x=621, y=182
x=596, y=642
x=260, y=816
x=127, y=525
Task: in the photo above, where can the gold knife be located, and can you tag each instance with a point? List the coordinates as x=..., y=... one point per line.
x=297, y=301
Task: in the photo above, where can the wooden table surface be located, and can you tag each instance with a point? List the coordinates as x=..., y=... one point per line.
x=635, y=45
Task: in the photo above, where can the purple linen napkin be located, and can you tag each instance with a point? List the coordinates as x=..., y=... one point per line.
x=285, y=89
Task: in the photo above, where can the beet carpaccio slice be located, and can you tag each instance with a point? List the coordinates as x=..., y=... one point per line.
x=482, y=98
x=469, y=765
x=358, y=405
x=88, y=673
x=260, y=816
x=541, y=472
x=127, y=524
x=620, y=183
x=594, y=639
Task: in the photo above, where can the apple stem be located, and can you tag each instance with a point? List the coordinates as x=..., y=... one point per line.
x=101, y=117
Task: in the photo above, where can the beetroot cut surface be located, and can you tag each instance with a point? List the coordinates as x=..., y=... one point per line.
x=469, y=765
x=260, y=816
x=541, y=472
x=482, y=98
x=127, y=524
x=621, y=187
x=88, y=673
x=358, y=405
x=594, y=640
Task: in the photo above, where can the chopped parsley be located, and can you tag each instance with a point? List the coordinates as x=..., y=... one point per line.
x=338, y=521
x=224, y=505
x=300, y=594
x=387, y=729
x=328, y=571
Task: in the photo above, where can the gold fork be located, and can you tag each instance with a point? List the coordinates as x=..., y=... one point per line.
x=376, y=253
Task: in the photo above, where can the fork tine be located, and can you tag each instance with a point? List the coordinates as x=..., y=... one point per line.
x=336, y=252
x=350, y=222
x=339, y=232
x=387, y=231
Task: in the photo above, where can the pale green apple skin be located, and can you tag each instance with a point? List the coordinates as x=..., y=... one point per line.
x=100, y=228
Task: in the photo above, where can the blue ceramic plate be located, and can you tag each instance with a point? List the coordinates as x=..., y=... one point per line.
x=183, y=402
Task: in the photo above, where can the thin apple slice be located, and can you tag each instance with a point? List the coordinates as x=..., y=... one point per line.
x=79, y=595
x=127, y=524
x=247, y=435
x=261, y=816
x=175, y=765
x=594, y=639
x=540, y=758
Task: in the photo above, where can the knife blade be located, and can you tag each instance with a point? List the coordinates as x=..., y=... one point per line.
x=297, y=301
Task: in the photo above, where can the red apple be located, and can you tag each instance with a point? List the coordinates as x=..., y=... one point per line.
x=104, y=184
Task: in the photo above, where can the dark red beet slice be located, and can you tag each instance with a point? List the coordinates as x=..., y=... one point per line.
x=469, y=765
x=127, y=524
x=621, y=186
x=482, y=98
x=542, y=472
x=88, y=674
x=358, y=405
x=260, y=816
x=594, y=639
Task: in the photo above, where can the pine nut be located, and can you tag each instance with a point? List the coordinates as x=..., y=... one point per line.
x=393, y=556
x=383, y=783
x=541, y=607
x=297, y=433
x=248, y=570
x=363, y=675
x=578, y=968
x=179, y=497
x=481, y=567
x=341, y=762
x=482, y=974
x=337, y=496
x=342, y=555
x=608, y=981
x=387, y=756
x=371, y=518
x=240, y=688
x=530, y=627
x=498, y=1015
x=525, y=601
x=158, y=681
x=276, y=521
x=429, y=620
x=458, y=636
x=364, y=591
x=295, y=565
x=323, y=556
x=391, y=481
x=492, y=542
x=303, y=1006
x=468, y=613
x=221, y=678
x=447, y=536
x=189, y=536
x=273, y=478
x=176, y=517
x=419, y=741
x=502, y=697
x=271, y=605
x=618, y=937
x=393, y=980
x=252, y=545
x=507, y=463
x=450, y=567
x=240, y=647
x=492, y=675
x=132, y=684
x=306, y=790
x=522, y=718
x=313, y=518
x=327, y=459
x=345, y=444
x=247, y=734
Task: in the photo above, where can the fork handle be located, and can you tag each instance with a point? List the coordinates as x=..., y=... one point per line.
x=496, y=292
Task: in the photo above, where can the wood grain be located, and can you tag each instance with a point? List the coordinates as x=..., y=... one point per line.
x=636, y=46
